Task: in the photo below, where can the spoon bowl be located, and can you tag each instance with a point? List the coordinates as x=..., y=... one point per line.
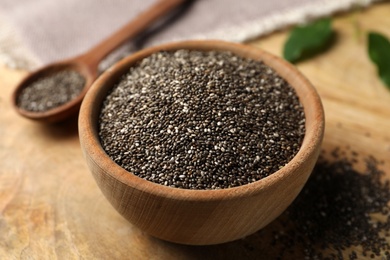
x=65, y=110
x=87, y=64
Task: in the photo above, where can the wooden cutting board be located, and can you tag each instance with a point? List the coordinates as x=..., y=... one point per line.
x=50, y=206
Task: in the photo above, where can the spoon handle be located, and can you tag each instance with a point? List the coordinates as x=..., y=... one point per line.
x=131, y=29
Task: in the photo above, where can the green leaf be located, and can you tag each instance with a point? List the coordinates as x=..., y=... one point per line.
x=308, y=40
x=379, y=52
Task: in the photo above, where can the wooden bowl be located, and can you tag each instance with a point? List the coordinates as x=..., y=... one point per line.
x=201, y=217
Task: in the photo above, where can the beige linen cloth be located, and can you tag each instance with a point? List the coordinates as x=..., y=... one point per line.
x=36, y=32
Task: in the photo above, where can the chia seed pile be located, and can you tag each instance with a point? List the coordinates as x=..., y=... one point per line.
x=51, y=91
x=201, y=120
x=341, y=213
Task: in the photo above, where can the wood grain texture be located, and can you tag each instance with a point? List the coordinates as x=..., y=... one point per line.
x=50, y=206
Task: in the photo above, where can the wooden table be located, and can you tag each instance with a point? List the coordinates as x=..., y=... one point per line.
x=50, y=206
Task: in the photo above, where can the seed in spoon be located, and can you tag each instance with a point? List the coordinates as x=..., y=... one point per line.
x=51, y=91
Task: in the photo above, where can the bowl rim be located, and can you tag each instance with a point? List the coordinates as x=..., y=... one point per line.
x=90, y=108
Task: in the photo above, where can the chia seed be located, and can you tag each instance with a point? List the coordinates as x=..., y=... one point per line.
x=51, y=91
x=201, y=120
x=341, y=213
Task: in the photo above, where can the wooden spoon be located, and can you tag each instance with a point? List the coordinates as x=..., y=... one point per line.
x=87, y=64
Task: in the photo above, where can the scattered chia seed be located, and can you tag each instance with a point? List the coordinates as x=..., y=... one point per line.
x=341, y=213
x=201, y=120
x=51, y=91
